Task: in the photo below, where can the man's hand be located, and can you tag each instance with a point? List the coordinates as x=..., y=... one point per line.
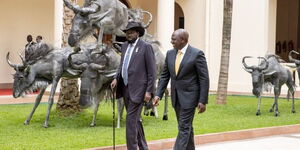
x=113, y=83
x=147, y=97
x=201, y=108
x=156, y=101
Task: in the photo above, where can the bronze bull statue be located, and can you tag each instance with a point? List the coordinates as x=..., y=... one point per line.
x=272, y=72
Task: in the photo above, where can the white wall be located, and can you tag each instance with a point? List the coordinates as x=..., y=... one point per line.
x=18, y=19
x=215, y=40
x=194, y=21
x=271, y=25
x=58, y=22
x=150, y=6
x=249, y=37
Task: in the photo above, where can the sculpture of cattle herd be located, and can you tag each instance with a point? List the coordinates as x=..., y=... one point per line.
x=95, y=63
x=271, y=72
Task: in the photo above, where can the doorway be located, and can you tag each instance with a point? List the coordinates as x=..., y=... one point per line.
x=287, y=28
x=179, y=17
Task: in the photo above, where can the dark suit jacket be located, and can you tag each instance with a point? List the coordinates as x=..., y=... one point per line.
x=141, y=72
x=28, y=50
x=191, y=85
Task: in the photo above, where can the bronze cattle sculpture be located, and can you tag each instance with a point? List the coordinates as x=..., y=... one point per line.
x=272, y=72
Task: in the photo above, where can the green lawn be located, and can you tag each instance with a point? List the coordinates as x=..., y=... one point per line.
x=74, y=132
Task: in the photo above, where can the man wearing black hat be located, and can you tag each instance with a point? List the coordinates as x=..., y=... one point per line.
x=135, y=82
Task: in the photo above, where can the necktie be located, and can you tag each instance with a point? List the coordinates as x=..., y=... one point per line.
x=178, y=60
x=126, y=63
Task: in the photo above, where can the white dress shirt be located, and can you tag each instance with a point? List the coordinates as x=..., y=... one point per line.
x=127, y=51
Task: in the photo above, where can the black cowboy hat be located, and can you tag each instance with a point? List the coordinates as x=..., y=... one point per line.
x=137, y=26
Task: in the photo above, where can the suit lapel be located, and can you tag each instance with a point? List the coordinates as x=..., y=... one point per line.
x=173, y=59
x=184, y=59
x=134, y=53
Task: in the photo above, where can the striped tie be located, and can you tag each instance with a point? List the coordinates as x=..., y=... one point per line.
x=178, y=60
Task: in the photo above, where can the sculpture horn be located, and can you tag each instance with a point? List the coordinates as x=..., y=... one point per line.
x=150, y=18
x=15, y=66
x=95, y=53
x=71, y=6
x=9, y=62
x=96, y=66
x=77, y=67
x=23, y=59
x=265, y=62
x=291, y=59
x=245, y=65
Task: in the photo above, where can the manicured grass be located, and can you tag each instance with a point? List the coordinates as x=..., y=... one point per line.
x=73, y=132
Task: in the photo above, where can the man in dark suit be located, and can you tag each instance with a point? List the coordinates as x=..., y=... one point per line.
x=135, y=81
x=187, y=68
x=29, y=40
x=28, y=50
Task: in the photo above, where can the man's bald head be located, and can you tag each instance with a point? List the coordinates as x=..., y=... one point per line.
x=180, y=38
x=183, y=34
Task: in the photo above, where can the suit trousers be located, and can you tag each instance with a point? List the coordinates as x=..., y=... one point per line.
x=185, y=137
x=135, y=136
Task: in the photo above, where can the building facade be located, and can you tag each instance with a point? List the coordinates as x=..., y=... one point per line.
x=258, y=27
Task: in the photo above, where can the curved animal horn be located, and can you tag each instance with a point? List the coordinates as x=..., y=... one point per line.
x=245, y=65
x=71, y=6
x=95, y=66
x=77, y=67
x=265, y=62
x=290, y=55
x=15, y=66
x=95, y=53
x=150, y=18
x=23, y=59
x=9, y=62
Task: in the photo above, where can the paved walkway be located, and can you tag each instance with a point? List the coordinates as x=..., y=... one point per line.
x=279, y=142
x=25, y=99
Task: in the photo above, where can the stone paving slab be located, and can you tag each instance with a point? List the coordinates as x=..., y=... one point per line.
x=281, y=142
x=167, y=144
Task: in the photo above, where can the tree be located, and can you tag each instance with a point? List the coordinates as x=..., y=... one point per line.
x=225, y=55
x=69, y=93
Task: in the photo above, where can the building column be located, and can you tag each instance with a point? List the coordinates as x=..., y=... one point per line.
x=207, y=31
x=58, y=22
x=165, y=22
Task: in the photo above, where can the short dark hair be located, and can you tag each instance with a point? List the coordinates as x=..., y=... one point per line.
x=29, y=38
x=39, y=37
